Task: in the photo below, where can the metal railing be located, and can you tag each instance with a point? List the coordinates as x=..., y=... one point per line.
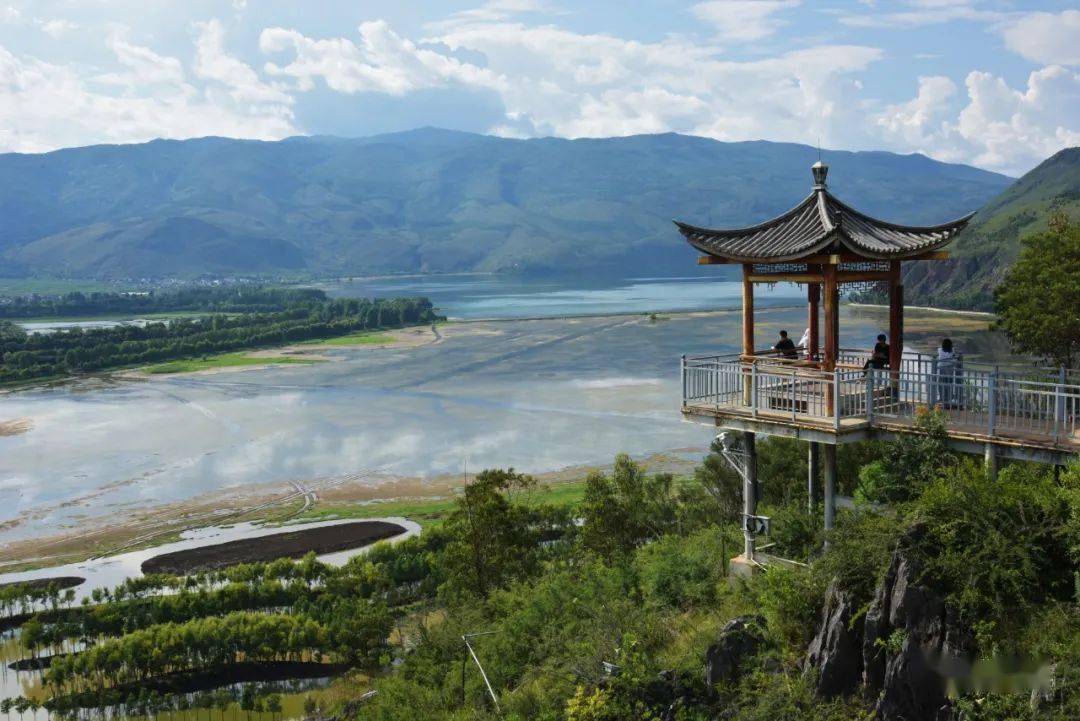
x=976, y=399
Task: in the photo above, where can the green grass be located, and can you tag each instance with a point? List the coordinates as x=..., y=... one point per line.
x=164, y=315
x=226, y=360
x=57, y=286
x=364, y=337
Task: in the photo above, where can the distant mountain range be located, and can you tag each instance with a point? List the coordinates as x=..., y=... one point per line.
x=428, y=201
x=987, y=247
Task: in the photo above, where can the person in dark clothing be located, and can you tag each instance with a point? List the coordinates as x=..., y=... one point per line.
x=786, y=347
x=880, y=357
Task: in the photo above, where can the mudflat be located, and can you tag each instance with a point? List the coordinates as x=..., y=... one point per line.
x=289, y=544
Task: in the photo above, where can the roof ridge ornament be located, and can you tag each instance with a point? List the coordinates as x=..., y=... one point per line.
x=820, y=171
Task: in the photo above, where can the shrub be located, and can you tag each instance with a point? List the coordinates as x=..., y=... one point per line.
x=684, y=571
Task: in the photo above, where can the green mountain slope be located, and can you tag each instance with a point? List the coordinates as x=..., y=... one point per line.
x=987, y=247
x=427, y=201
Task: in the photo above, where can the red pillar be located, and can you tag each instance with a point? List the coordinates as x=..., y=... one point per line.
x=896, y=318
x=813, y=297
x=747, y=310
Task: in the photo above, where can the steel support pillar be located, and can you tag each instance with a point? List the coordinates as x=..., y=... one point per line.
x=813, y=473
x=830, y=489
x=990, y=456
x=750, y=491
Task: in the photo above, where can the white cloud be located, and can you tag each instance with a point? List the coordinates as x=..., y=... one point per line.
x=9, y=14
x=1009, y=127
x=924, y=12
x=383, y=62
x=44, y=106
x=1046, y=38
x=924, y=123
x=213, y=63
x=998, y=127
x=57, y=28
x=743, y=20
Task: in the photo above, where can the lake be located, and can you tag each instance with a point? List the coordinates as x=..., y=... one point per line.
x=539, y=395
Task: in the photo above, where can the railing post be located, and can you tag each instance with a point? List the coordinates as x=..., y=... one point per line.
x=794, y=378
x=1059, y=404
x=682, y=378
x=991, y=390
x=836, y=399
x=870, y=395
x=932, y=387
x=753, y=389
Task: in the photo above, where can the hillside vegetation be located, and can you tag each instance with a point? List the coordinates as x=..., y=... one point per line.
x=984, y=251
x=620, y=606
x=427, y=201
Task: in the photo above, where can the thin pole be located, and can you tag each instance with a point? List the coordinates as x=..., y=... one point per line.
x=813, y=471
x=483, y=675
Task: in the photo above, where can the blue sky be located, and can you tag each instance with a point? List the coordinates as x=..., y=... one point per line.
x=993, y=83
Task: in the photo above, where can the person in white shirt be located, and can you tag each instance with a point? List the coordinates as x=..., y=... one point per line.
x=804, y=342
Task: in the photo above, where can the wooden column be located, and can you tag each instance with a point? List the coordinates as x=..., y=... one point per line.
x=747, y=310
x=896, y=318
x=832, y=318
x=813, y=297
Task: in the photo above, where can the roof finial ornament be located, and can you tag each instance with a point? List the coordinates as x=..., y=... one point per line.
x=820, y=171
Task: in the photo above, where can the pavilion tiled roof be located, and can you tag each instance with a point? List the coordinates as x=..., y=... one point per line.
x=821, y=224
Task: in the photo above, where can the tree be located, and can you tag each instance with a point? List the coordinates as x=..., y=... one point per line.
x=621, y=511
x=492, y=539
x=1038, y=304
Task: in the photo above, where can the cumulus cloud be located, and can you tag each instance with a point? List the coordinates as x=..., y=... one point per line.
x=743, y=20
x=213, y=63
x=998, y=127
x=1045, y=37
x=558, y=82
x=44, y=105
x=382, y=61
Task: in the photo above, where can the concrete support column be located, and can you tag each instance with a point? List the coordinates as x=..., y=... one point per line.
x=830, y=488
x=990, y=456
x=813, y=467
x=750, y=492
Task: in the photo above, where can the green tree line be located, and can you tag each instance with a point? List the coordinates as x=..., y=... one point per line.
x=25, y=356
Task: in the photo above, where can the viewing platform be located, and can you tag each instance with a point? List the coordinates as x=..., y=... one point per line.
x=1025, y=414
x=825, y=395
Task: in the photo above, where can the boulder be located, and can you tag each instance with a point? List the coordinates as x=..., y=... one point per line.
x=909, y=636
x=836, y=651
x=741, y=638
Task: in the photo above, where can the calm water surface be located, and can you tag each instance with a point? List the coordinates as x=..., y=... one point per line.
x=538, y=395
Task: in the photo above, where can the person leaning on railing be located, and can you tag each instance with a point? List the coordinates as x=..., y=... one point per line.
x=879, y=358
x=948, y=372
x=786, y=347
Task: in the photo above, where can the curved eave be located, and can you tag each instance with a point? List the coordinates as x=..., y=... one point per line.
x=838, y=222
x=817, y=246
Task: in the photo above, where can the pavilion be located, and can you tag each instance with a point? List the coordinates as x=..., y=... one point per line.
x=825, y=396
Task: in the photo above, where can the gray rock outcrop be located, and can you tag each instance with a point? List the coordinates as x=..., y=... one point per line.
x=836, y=651
x=740, y=638
x=910, y=638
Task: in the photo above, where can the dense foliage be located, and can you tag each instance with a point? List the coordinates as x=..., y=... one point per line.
x=27, y=356
x=1038, y=304
x=605, y=611
x=240, y=298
